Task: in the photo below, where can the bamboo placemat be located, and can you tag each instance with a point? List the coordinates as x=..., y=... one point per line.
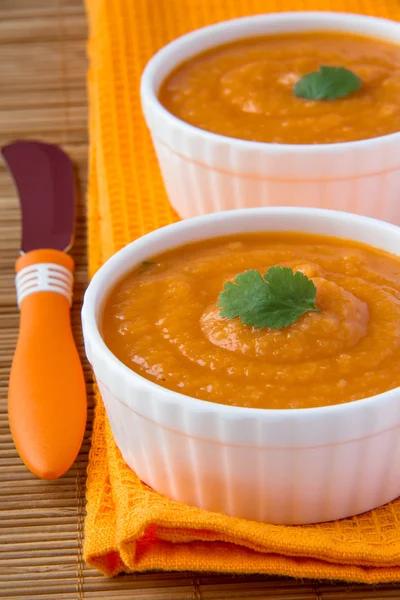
x=43, y=95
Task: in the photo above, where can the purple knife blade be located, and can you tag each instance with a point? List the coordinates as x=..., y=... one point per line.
x=44, y=177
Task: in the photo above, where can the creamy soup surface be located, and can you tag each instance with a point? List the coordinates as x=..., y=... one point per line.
x=162, y=321
x=245, y=89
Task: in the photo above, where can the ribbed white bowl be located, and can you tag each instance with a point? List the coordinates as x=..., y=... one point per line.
x=205, y=172
x=280, y=466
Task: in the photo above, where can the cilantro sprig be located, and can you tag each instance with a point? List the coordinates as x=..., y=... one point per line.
x=274, y=300
x=329, y=83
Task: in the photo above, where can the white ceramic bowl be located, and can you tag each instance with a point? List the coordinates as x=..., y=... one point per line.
x=205, y=172
x=280, y=466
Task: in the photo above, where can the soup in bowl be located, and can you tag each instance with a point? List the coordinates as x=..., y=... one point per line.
x=288, y=109
x=248, y=361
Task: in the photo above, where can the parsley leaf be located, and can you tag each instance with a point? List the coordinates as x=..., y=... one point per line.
x=276, y=300
x=328, y=83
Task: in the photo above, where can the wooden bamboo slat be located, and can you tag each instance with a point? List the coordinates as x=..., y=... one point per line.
x=43, y=95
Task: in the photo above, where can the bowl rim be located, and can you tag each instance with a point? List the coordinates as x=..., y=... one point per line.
x=99, y=287
x=149, y=93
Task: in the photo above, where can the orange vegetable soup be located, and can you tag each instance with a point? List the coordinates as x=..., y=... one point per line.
x=162, y=321
x=245, y=89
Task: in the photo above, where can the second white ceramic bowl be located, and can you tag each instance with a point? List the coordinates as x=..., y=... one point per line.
x=279, y=466
x=205, y=172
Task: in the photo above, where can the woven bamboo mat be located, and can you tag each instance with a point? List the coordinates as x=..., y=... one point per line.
x=43, y=95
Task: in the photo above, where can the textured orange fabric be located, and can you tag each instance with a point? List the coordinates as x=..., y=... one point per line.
x=129, y=527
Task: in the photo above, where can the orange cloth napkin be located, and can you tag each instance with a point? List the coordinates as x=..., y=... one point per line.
x=129, y=527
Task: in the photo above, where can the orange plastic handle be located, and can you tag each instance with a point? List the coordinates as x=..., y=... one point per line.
x=47, y=397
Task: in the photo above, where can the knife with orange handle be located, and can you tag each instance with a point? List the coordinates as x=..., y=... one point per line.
x=46, y=397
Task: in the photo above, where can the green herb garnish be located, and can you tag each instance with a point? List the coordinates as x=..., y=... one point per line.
x=329, y=83
x=276, y=300
x=146, y=264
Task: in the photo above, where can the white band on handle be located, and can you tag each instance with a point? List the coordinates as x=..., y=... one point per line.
x=44, y=277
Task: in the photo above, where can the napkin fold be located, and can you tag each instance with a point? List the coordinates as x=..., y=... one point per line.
x=129, y=527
